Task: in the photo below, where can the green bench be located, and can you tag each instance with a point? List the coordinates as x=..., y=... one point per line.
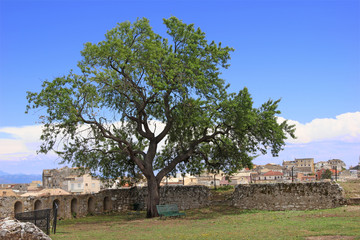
x=169, y=210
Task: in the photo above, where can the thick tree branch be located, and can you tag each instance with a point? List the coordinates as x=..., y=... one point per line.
x=168, y=117
x=107, y=134
x=184, y=156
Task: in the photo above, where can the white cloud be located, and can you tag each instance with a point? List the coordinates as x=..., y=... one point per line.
x=25, y=133
x=9, y=146
x=345, y=128
x=23, y=142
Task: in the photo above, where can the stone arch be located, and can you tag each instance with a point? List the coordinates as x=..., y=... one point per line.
x=37, y=205
x=107, y=204
x=91, y=205
x=74, y=207
x=18, y=207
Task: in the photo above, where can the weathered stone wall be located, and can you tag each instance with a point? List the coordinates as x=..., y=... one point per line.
x=280, y=196
x=353, y=201
x=186, y=197
x=109, y=200
x=288, y=196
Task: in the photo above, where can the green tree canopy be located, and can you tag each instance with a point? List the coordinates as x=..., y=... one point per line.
x=148, y=104
x=327, y=174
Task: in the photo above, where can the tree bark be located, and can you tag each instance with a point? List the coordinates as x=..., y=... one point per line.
x=153, y=198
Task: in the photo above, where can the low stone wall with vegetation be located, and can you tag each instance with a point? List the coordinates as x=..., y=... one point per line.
x=288, y=196
x=281, y=196
x=186, y=197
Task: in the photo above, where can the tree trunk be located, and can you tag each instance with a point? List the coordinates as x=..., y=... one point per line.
x=153, y=198
x=214, y=182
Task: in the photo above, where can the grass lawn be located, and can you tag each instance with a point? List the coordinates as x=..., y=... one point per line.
x=218, y=222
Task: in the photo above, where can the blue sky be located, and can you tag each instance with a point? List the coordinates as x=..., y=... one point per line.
x=305, y=52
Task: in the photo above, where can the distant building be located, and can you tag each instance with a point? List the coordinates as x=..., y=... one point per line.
x=7, y=193
x=289, y=164
x=46, y=192
x=35, y=186
x=190, y=180
x=208, y=180
x=356, y=169
x=55, y=178
x=240, y=178
x=348, y=175
x=82, y=184
x=330, y=164
x=337, y=164
x=306, y=178
x=334, y=173
x=322, y=165
x=5, y=185
x=273, y=167
x=303, y=165
x=70, y=179
x=270, y=176
x=20, y=188
x=171, y=181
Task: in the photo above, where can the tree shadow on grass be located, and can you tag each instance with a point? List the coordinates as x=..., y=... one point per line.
x=213, y=212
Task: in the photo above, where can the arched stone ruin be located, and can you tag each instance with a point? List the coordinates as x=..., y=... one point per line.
x=107, y=204
x=38, y=205
x=18, y=207
x=74, y=207
x=91, y=205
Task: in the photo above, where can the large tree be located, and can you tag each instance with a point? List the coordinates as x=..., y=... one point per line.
x=147, y=104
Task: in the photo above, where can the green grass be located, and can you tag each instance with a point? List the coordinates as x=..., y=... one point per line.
x=218, y=222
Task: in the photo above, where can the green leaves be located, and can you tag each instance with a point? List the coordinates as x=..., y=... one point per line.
x=100, y=119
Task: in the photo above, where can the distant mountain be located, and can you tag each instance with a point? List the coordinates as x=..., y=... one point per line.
x=18, y=178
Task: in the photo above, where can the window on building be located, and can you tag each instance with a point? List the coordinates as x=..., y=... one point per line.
x=72, y=186
x=86, y=184
x=93, y=185
x=79, y=185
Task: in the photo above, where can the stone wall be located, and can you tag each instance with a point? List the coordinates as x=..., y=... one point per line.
x=186, y=197
x=280, y=196
x=353, y=201
x=288, y=196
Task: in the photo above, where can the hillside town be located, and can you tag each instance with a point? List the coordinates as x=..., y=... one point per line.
x=66, y=181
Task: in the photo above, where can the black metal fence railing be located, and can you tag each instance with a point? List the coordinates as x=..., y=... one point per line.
x=41, y=218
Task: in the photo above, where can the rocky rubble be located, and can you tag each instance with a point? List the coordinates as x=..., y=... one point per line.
x=11, y=229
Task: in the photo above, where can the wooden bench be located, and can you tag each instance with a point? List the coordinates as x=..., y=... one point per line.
x=169, y=210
